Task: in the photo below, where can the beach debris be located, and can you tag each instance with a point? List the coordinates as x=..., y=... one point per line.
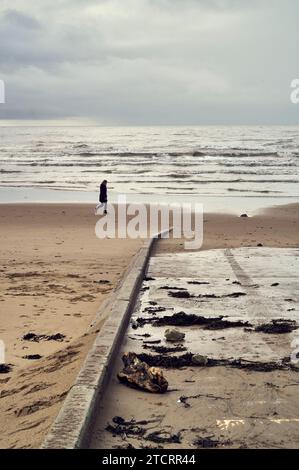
x=138, y=374
x=32, y=357
x=148, y=278
x=154, y=310
x=200, y=360
x=164, y=437
x=259, y=245
x=184, y=319
x=276, y=284
x=185, y=360
x=37, y=338
x=174, y=336
x=277, y=327
x=180, y=294
x=207, y=443
x=184, y=294
x=144, y=288
x=146, y=335
x=102, y=281
x=164, y=349
x=133, y=428
x=198, y=283
x=184, y=400
x=5, y=368
x=121, y=427
x=244, y=216
x=172, y=288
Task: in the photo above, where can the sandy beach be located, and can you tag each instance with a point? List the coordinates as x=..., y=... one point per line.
x=55, y=274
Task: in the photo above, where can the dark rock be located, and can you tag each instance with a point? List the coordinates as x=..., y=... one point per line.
x=174, y=336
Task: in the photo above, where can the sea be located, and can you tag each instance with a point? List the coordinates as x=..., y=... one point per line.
x=227, y=168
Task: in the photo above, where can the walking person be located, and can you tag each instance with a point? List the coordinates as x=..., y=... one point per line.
x=102, y=197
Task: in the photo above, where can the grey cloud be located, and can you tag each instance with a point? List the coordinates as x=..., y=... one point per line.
x=150, y=61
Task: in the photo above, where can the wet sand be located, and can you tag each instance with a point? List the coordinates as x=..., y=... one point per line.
x=243, y=393
x=54, y=276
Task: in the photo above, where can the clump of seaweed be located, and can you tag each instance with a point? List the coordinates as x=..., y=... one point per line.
x=277, y=327
x=184, y=319
x=185, y=360
x=5, y=368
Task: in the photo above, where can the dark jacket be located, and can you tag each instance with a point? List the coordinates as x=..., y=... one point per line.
x=103, y=193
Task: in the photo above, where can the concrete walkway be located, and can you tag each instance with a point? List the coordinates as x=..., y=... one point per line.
x=223, y=406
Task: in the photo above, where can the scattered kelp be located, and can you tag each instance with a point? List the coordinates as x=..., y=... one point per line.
x=208, y=443
x=234, y=295
x=37, y=338
x=277, y=327
x=126, y=428
x=172, y=288
x=32, y=357
x=123, y=428
x=139, y=374
x=185, y=360
x=153, y=310
x=164, y=349
x=184, y=319
x=180, y=294
x=184, y=400
x=184, y=294
x=5, y=368
x=198, y=283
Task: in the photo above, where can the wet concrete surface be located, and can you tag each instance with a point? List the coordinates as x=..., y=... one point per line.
x=236, y=408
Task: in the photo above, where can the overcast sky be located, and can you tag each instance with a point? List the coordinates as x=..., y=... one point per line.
x=150, y=61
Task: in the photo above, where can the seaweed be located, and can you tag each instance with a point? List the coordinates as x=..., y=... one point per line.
x=198, y=283
x=125, y=428
x=172, y=288
x=184, y=319
x=5, y=368
x=182, y=294
x=183, y=399
x=207, y=443
x=164, y=349
x=37, y=338
x=277, y=327
x=33, y=357
x=185, y=360
x=132, y=428
x=154, y=310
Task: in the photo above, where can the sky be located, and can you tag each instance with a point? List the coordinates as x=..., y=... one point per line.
x=149, y=62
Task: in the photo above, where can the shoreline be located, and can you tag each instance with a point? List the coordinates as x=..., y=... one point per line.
x=211, y=203
x=56, y=274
